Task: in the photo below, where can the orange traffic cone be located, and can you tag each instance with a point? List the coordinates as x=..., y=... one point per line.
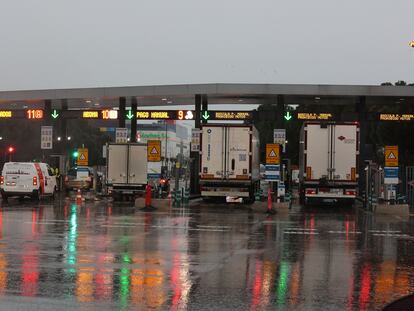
x=270, y=209
x=79, y=196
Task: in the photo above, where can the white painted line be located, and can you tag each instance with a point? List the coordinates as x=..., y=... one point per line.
x=207, y=230
x=344, y=232
x=300, y=229
x=303, y=233
x=385, y=231
x=277, y=222
x=213, y=227
x=44, y=223
x=392, y=235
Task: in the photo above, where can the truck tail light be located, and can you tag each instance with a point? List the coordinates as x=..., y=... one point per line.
x=353, y=174
x=308, y=172
x=349, y=192
x=310, y=191
x=34, y=181
x=1, y=180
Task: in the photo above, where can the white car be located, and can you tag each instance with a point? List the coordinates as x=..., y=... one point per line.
x=27, y=179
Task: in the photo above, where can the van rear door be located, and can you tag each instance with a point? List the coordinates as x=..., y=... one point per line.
x=238, y=150
x=137, y=167
x=345, y=143
x=213, y=154
x=117, y=164
x=18, y=176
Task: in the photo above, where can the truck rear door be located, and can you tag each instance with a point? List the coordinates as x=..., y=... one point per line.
x=137, y=164
x=345, y=146
x=213, y=152
x=238, y=152
x=117, y=164
x=317, y=148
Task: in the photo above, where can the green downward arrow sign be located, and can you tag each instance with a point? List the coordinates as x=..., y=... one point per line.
x=55, y=114
x=205, y=115
x=288, y=116
x=130, y=115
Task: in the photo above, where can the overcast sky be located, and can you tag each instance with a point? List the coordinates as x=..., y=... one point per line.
x=94, y=43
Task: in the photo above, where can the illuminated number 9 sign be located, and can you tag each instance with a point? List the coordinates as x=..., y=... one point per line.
x=180, y=115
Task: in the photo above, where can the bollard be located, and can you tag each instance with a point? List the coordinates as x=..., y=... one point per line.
x=79, y=196
x=270, y=209
x=288, y=198
x=148, y=196
x=178, y=197
x=186, y=196
x=258, y=195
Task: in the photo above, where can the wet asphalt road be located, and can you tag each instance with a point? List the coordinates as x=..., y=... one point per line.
x=101, y=256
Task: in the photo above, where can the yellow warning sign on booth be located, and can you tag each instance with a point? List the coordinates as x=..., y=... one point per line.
x=272, y=154
x=154, y=151
x=82, y=157
x=391, y=156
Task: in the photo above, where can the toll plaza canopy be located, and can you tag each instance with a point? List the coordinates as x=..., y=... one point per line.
x=217, y=93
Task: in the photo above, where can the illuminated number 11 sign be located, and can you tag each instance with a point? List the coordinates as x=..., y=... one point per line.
x=34, y=114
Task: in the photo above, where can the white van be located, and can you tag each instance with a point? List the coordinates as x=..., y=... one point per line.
x=27, y=179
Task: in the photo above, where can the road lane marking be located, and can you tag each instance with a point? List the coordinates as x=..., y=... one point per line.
x=303, y=232
x=300, y=229
x=385, y=231
x=213, y=227
x=392, y=235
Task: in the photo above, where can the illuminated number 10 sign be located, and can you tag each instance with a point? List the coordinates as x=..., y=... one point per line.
x=109, y=114
x=34, y=114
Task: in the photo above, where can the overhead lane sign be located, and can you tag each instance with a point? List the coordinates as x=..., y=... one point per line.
x=154, y=151
x=226, y=115
x=396, y=117
x=309, y=116
x=55, y=114
x=6, y=114
x=165, y=115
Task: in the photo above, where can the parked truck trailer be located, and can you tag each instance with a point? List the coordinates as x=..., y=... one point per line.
x=329, y=162
x=229, y=161
x=126, y=170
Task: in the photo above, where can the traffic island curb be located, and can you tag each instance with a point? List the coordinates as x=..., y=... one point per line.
x=261, y=207
x=161, y=204
x=147, y=209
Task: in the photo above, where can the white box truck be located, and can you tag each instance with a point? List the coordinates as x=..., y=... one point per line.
x=126, y=169
x=229, y=161
x=329, y=162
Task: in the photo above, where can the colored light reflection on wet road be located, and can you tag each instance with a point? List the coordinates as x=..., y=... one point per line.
x=283, y=283
x=72, y=239
x=110, y=257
